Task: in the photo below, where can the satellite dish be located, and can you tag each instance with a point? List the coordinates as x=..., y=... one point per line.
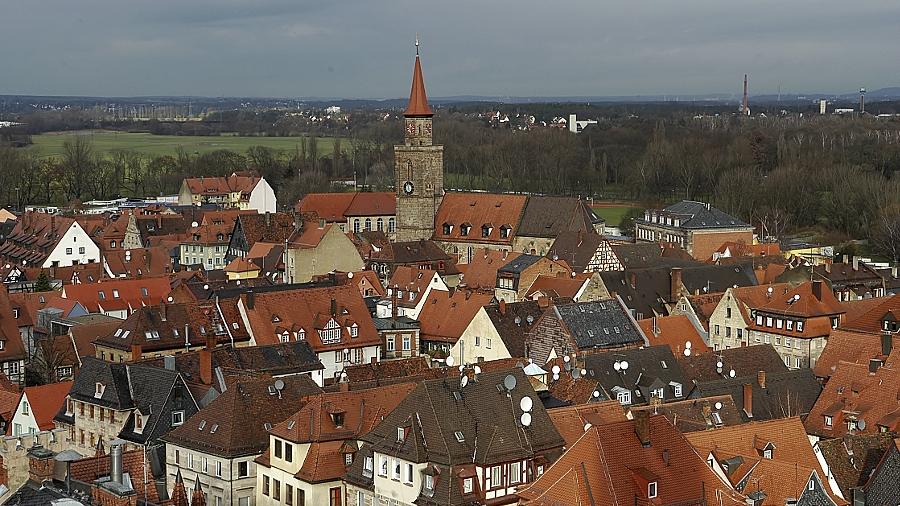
x=687, y=345
x=624, y=365
x=529, y=319
x=170, y=299
x=687, y=352
x=279, y=384
x=517, y=320
x=587, y=426
x=861, y=423
x=349, y=275
x=797, y=297
x=461, y=368
x=555, y=369
x=731, y=373
x=509, y=382
x=206, y=287
x=573, y=274
x=463, y=382
x=584, y=372
x=556, y=377
x=718, y=405
x=769, y=289
x=477, y=370
x=617, y=366
x=525, y=419
x=719, y=364
x=195, y=224
x=526, y=404
x=719, y=370
x=596, y=394
x=566, y=358
x=449, y=361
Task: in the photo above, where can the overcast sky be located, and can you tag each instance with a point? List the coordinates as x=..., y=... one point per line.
x=364, y=48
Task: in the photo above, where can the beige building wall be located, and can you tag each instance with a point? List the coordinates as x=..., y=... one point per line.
x=14, y=451
x=399, y=491
x=283, y=472
x=479, y=342
x=225, y=488
x=727, y=327
x=532, y=245
x=334, y=252
x=106, y=427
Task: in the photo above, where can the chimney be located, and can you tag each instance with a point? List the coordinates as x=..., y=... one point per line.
x=40, y=464
x=855, y=263
x=874, y=364
x=206, y=366
x=394, y=304
x=632, y=280
x=846, y=259
x=817, y=289
x=169, y=362
x=674, y=284
x=268, y=219
x=115, y=461
x=828, y=267
x=655, y=324
x=136, y=352
x=761, y=378
x=502, y=307
x=344, y=386
x=333, y=307
x=887, y=343
x=250, y=299
x=748, y=400
x=543, y=301
x=642, y=427
x=162, y=311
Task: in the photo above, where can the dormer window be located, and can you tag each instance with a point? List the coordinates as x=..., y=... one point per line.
x=652, y=490
x=138, y=421
x=504, y=232
x=448, y=228
x=799, y=326
x=429, y=482
x=486, y=231
x=98, y=390
x=829, y=421
x=767, y=454
x=338, y=418
x=101, y=296
x=468, y=485
x=401, y=434
x=464, y=229
x=301, y=335
x=354, y=330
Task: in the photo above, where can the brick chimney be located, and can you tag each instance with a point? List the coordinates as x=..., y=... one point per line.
x=817, y=289
x=642, y=427
x=136, y=352
x=206, y=365
x=394, y=303
x=674, y=284
x=543, y=301
x=632, y=280
x=40, y=464
x=502, y=307
x=333, y=307
x=761, y=378
x=179, y=494
x=748, y=400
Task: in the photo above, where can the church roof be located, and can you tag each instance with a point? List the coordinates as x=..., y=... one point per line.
x=418, y=101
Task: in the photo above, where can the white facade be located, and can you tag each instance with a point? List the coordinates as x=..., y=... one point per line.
x=75, y=247
x=23, y=421
x=262, y=198
x=225, y=481
x=436, y=283
x=480, y=341
x=278, y=481
x=397, y=481
x=336, y=360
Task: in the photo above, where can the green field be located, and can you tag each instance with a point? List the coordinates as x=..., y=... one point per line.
x=51, y=144
x=612, y=214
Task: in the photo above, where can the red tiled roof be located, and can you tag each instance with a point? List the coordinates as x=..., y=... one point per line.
x=241, y=265
x=153, y=261
x=608, y=465
x=481, y=272
x=853, y=347
x=808, y=304
x=29, y=303
x=445, y=316
x=870, y=319
x=131, y=293
x=46, y=401
x=331, y=207
x=13, y=348
x=476, y=210
x=570, y=421
x=221, y=185
x=372, y=204
x=557, y=286
x=309, y=310
x=89, y=469
x=674, y=331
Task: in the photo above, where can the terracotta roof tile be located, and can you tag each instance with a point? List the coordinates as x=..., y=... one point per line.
x=331, y=207
x=119, y=294
x=853, y=347
x=446, y=315
x=481, y=272
x=870, y=320
x=675, y=332
x=46, y=401
x=571, y=421
x=221, y=185
x=418, y=100
x=475, y=210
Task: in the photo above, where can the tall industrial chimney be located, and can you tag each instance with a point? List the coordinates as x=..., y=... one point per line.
x=862, y=100
x=745, y=104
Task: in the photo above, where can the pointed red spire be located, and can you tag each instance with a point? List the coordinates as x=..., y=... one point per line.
x=418, y=100
x=179, y=495
x=197, y=498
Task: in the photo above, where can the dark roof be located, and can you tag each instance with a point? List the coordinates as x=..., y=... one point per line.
x=399, y=323
x=882, y=486
x=647, y=254
x=480, y=413
x=745, y=361
x=519, y=264
x=852, y=458
x=648, y=369
x=513, y=322
x=698, y=215
x=411, y=252
x=113, y=377
x=599, y=324
x=692, y=415
x=549, y=216
x=788, y=393
x=237, y=422
x=268, y=227
x=294, y=357
x=576, y=248
x=33, y=493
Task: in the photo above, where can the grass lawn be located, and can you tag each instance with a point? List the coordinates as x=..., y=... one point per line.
x=612, y=213
x=51, y=144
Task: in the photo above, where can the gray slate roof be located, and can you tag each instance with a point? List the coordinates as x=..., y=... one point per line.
x=549, y=216
x=648, y=369
x=699, y=216
x=519, y=264
x=599, y=324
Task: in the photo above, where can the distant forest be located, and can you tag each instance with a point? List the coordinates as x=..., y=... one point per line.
x=837, y=176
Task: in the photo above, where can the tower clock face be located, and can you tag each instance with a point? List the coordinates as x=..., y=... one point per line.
x=408, y=188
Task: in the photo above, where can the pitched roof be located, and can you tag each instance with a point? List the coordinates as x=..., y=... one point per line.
x=372, y=204
x=331, y=207
x=119, y=294
x=609, y=465
x=387, y=369
x=853, y=347
x=33, y=237
x=13, y=348
x=266, y=227
x=410, y=252
x=558, y=286
x=576, y=248
x=221, y=185
x=852, y=459
x=598, y=324
x=29, y=303
x=46, y=400
x=745, y=361
x=481, y=271
x=771, y=395
x=871, y=319
x=445, y=421
x=573, y=421
x=548, y=217
x=512, y=321
x=418, y=100
x=675, y=332
x=238, y=421
x=153, y=261
x=311, y=310
x=446, y=315
x=699, y=215
x=691, y=415
x=477, y=210
x=648, y=369
x=804, y=300
x=411, y=280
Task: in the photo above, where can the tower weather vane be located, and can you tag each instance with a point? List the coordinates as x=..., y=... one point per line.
x=417, y=43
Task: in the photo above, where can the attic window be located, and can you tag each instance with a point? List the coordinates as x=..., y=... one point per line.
x=354, y=330
x=338, y=419
x=151, y=334
x=486, y=231
x=504, y=232
x=118, y=333
x=459, y=437
x=448, y=228
x=651, y=490
x=464, y=229
x=214, y=428
x=202, y=425
x=145, y=292
x=467, y=486
x=98, y=390
x=401, y=434
x=101, y=295
x=275, y=318
x=234, y=325
x=115, y=293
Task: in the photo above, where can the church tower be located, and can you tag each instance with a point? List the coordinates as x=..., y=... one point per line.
x=418, y=166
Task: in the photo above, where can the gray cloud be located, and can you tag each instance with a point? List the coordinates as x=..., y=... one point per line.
x=363, y=48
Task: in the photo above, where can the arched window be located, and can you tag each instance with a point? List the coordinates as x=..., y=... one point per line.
x=379, y=225
x=391, y=225
x=356, y=226
x=368, y=224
